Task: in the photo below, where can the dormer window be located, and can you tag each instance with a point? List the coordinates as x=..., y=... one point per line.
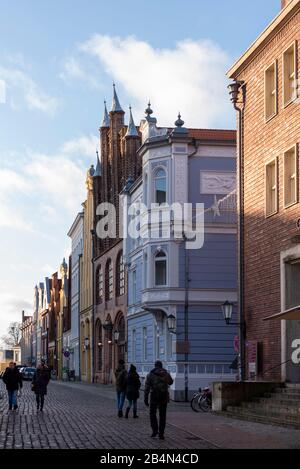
x=160, y=185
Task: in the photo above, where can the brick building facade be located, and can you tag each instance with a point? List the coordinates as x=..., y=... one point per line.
x=119, y=162
x=267, y=78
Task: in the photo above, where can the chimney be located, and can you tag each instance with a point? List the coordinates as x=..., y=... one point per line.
x=284, y=3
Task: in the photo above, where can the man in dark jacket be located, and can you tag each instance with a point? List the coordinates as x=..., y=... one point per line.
x=13, y=380
x=157, y=385
x=121, y=385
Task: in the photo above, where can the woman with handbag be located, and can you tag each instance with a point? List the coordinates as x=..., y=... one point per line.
x=132, y=391
x=39, y=384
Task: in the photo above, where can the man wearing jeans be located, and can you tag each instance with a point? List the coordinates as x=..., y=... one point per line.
x=13, y=381
x=121, y=384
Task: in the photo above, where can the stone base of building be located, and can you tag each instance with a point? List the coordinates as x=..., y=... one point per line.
x=233, y=393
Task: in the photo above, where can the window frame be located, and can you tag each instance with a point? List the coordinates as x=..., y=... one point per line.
x=271, y=116
x=155, y=171
x=290, y=204
x=268, y=163
x=165, y=258
x=293, y=98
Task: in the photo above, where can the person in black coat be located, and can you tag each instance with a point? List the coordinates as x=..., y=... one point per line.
x=13, y=380
x=132, y=391
x=39, y=384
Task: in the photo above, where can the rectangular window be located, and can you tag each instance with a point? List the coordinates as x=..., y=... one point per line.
x=289, y=75
x=271, y=188
x=133, y=346
x=271, y=91
x=157, y=342
x=134, y=287
x=290, y=177
x=145, y=344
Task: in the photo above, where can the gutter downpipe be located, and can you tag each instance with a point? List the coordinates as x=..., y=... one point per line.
x=240, y=85
x=79, y=318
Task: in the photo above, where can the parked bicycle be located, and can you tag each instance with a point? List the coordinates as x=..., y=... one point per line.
x=202, y=400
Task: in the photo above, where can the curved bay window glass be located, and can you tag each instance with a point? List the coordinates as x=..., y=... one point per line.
x=120, y=275
x=109, y=280
x=99, y=345
x=160, y=269
x=100, y=284
x=160, y=186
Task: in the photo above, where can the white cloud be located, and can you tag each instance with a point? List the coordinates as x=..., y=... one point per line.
x=2, y=92
x=11, y=307
x=73, y=70
x=34, y=97
x=58, y=179
x=82, y=146
x=190, y=77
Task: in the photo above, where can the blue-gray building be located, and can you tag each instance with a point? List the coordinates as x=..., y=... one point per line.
x=169, y=281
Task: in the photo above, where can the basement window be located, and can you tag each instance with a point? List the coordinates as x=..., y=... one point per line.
x=289, y=75
x=271, y=91
x=271, y=188
x=290, y=177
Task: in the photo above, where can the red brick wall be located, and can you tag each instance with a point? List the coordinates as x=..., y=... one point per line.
x=265, y=238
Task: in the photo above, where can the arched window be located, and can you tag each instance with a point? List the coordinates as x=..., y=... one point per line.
x=100, y=285
x=160, y=186
x=160, y=269
x=109, y=280
x=120, y=275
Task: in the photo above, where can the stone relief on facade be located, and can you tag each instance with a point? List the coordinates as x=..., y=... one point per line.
x=212, y=182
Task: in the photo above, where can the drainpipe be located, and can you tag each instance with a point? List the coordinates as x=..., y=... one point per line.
x=186, y=322
x=93, y=233
x=235, y=89
x=79, y=323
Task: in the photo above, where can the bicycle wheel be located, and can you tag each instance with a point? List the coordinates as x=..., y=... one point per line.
x=195, y=403
x=204, y=404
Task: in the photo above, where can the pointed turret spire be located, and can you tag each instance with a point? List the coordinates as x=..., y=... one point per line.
x=106, y=119
x=131, y=130
x=98, y=171
x=116, y=106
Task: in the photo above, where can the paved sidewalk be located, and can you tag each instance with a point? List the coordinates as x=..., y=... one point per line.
x=221, y=431
x=82, y=416
x=79, y=415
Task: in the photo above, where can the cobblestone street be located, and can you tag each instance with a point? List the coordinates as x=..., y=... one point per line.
x=78, y=416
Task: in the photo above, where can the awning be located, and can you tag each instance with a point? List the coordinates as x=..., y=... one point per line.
x=288, y=315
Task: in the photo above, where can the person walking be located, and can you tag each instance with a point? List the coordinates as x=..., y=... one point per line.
x=157, y=385
x=132, y=391
x=121, y=384
x=13, y=381
x=39, y=384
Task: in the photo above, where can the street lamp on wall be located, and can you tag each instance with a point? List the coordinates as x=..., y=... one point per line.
x=171, y=323
x=116, y=336
x=86, y=343
x=227, y=310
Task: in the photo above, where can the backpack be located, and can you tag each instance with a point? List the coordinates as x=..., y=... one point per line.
x=160, y=387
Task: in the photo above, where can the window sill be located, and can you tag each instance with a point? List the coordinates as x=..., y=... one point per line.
x=288, y=103
x=270, y=118
x=291, y=204
x=269, y=215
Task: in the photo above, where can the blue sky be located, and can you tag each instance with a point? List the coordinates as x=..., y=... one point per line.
x=58, y=60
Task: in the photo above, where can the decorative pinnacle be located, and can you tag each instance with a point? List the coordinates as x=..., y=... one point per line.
x=116, y=106
x=179, y=123
x=149, y=111
x=106, y=121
